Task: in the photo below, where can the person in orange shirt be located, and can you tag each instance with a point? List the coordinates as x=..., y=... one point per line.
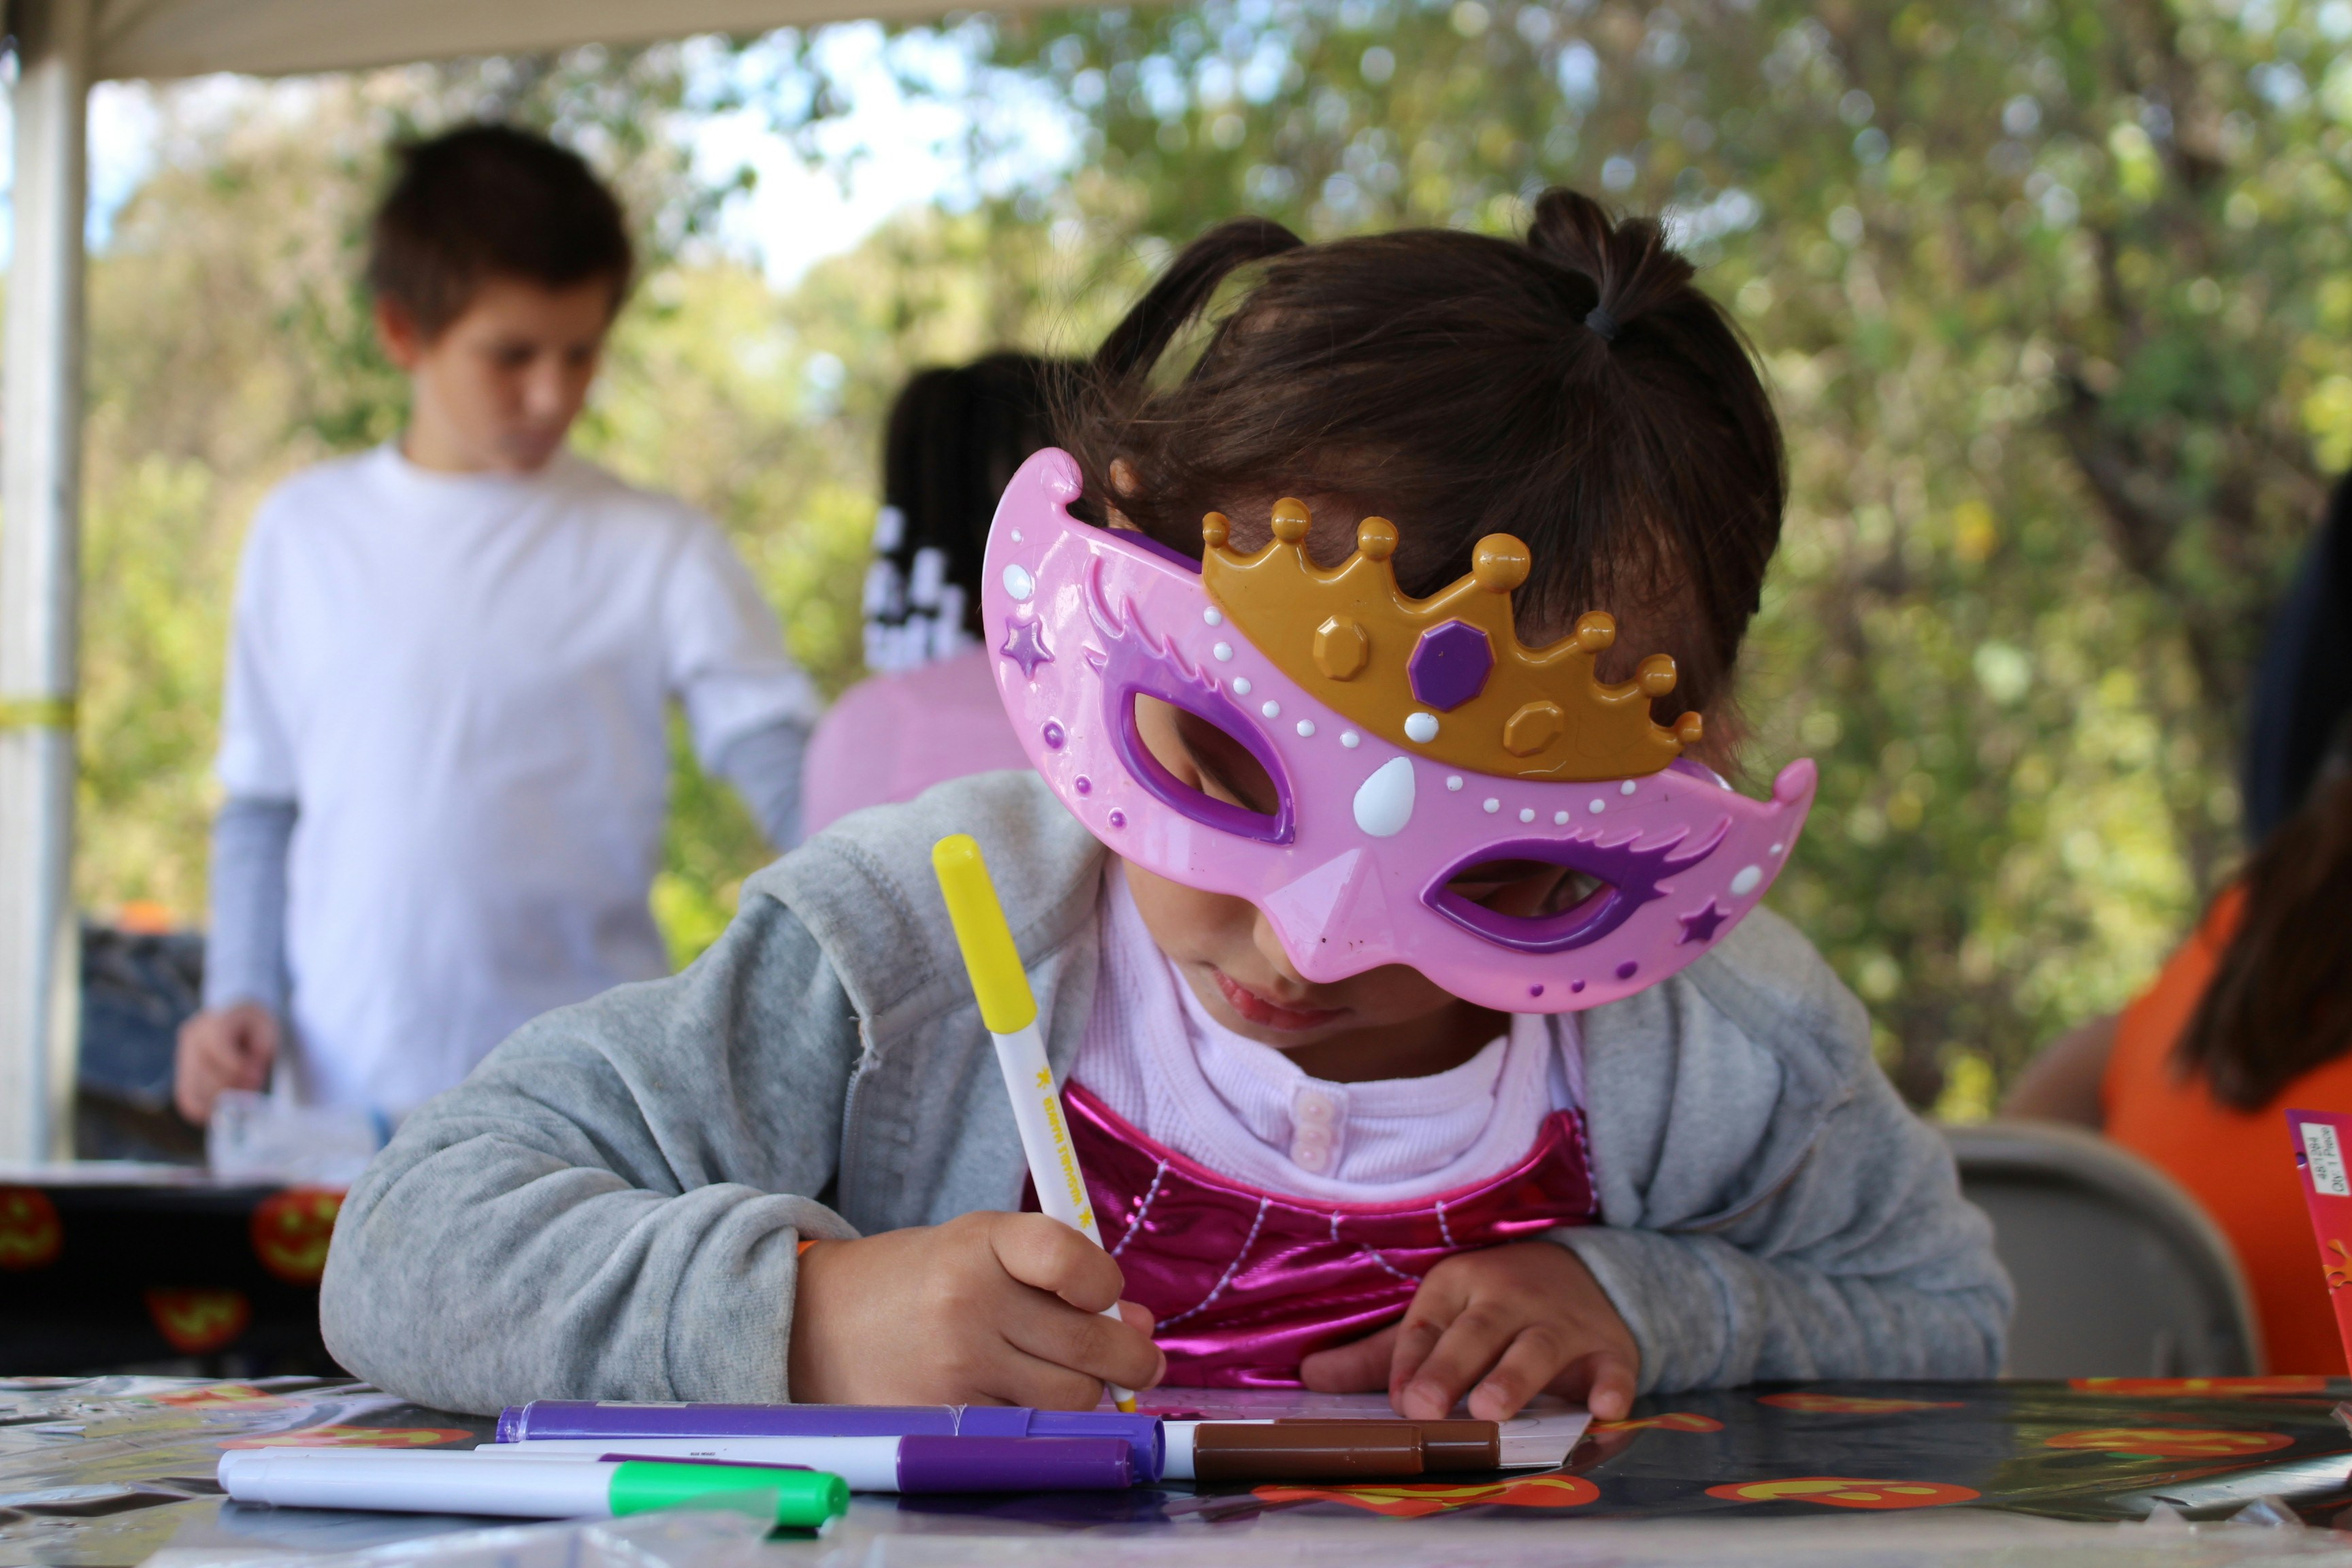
x=2253, y=1016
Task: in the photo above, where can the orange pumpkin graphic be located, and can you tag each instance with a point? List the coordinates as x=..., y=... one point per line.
x=1418, y=1500
x=1850, y=1404
x=356, y=1438
x=222, y=1397
x=1846, y=1491
x=292, y=1229
x=2218, y=1387
x=2169, y=1442
x=1673, y=1421
x=31, y=1234
x=195, y=1321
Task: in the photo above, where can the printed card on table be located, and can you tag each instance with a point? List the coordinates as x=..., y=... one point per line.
x=2321, y=1141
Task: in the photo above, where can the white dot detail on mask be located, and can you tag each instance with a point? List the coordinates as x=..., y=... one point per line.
x=1453, y=780
x=1213, y=615
x=1626, y=788
x=1384, y=801
x=1351, y=740
x=1560, y=819
x=1221, y=652
x=1272, y=709
x=1421, y=726
x=1744, y=881
x=1016, y=536
x=1490, y=806
x=1527, y=813
x=1596, y=806
x=1306, y=728
x=1778, y=848
x=1018, y=583
x=1241, y=686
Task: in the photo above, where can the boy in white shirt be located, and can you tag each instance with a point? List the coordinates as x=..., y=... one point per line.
x=444, y=737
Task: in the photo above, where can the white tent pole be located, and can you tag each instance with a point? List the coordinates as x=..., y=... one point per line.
x=40, y=498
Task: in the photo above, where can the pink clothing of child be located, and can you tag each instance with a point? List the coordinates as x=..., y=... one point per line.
x=891, y=737
x=1263, y=1215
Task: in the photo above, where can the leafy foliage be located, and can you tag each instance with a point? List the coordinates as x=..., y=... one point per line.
x=2052, y=295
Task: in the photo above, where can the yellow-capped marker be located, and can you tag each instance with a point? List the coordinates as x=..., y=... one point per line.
x=1007, y=1005
x=1009, y=1008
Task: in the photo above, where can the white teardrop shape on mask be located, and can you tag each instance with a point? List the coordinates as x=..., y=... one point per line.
x=1384, y=801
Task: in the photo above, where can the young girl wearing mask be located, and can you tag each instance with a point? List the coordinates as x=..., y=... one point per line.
x=1396, y=944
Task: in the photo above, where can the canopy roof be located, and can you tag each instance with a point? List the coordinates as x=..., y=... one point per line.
x=281, y=37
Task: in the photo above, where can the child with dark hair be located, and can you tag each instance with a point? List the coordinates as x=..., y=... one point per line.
x=445, y=737
x=928, y=713
x=1419, y=1026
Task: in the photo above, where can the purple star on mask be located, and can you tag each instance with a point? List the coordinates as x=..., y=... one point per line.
x=1025, y=645
x=1702, y=926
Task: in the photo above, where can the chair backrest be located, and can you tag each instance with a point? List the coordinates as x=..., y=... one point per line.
x=2119, y=1272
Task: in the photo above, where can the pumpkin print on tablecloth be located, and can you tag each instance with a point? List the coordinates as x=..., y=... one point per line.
x=31, y=1234
x=2170, y=1442
x=356, y=1438
x=290, y=1231
x=198, y=1321
x=1846, y=1491
x=1418, y=1500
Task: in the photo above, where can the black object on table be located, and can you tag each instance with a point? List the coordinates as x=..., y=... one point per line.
x=103, y=1275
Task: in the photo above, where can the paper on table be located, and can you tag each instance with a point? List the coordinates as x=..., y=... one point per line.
x=1544, y=1434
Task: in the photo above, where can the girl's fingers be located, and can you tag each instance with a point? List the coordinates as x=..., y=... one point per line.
x=1533, y=1360
x=1050, y=1329
x=1049, y=1255
x=1361, y=1366
x=1469, y=1345
x=1434, y=1306
x=1604, y=1380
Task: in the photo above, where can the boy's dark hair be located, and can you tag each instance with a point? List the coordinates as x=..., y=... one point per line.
x=490, y=201
x=1576, y=390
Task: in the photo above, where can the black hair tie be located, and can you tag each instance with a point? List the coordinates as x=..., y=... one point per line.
x=1603, y=324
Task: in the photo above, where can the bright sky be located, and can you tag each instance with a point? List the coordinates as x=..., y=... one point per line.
x=886, y=153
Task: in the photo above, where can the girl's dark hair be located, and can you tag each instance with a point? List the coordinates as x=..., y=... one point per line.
x=1576, y=390
x=954, y=438
x=2280, y=1003
x=491, y=201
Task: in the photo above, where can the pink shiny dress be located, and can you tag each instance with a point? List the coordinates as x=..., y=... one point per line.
x=1245, y=1283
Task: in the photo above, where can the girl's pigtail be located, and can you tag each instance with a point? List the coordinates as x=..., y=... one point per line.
x=1632, y=268
x=1183, y=291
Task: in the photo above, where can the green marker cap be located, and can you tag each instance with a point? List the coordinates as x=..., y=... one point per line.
x=796, y=1499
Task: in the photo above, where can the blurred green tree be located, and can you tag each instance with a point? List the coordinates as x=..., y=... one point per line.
x=2053, y=298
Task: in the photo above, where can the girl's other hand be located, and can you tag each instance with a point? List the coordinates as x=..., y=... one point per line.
x=988, y=1309
x=1501, y=1325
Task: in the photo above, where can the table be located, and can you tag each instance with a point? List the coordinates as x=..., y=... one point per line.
x=124, y=1266
x=112, y=1470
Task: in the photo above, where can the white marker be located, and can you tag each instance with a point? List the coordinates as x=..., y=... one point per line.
x=546, y=1486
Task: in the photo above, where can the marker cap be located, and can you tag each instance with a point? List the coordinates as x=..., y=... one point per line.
x=1014, y=1464
x=1006, y=1003
x=803, y=1499
x=1306, y=1450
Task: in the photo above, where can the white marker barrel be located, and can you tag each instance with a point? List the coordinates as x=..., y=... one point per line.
x=419, y=1483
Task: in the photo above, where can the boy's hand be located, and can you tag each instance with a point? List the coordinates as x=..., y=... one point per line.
x=988, y=1309
x=1514, y=1321
x=225, y=1048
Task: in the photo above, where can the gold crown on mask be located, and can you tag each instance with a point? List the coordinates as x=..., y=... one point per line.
x=1444, y=677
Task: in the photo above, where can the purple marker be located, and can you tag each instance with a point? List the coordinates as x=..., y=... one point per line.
x=879, y=1464
x=589, y=1419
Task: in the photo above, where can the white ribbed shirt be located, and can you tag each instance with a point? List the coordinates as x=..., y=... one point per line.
x=1156, y=1059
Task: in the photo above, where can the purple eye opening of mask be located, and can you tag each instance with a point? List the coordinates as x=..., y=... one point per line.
x=1132, y=665
x=1632, y=875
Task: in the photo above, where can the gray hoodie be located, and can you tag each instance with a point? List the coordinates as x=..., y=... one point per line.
x=608, y=1208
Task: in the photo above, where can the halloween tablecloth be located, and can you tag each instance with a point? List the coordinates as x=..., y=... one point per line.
x=97, y=1273
x=109, y=1470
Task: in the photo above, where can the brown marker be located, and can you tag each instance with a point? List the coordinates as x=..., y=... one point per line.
x=1303, y=1448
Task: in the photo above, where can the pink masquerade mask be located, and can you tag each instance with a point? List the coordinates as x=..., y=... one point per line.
x=1408, y=742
